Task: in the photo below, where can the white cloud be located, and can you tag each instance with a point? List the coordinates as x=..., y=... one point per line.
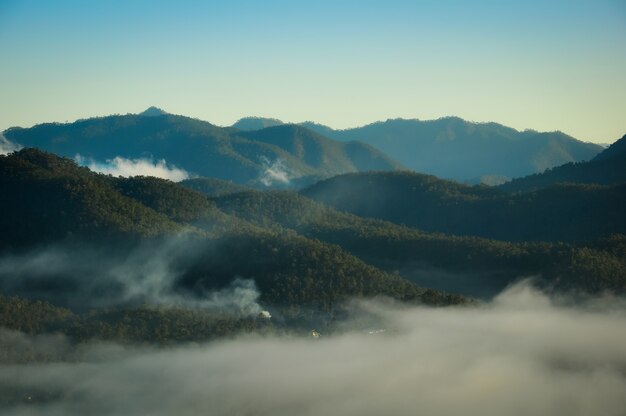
x=274, y=172
x=120, y=166
x=520, y=355
x=7, y=146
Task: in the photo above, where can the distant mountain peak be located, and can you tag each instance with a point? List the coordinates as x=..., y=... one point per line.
x=153, y=112
x=256, y=123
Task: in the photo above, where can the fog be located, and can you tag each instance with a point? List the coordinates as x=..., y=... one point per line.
x=521, y=354
x=7, y=146
x=120, y=166
x=274, y=173
x=95, y=276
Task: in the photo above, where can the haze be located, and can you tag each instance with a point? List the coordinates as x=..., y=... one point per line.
x=521, y=355
x=546, y=66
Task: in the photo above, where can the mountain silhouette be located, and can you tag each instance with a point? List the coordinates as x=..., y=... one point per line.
x=453, y=148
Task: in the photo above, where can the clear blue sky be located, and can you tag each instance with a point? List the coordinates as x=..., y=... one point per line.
x=546, y=65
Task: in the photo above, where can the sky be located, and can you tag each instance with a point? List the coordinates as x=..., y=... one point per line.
x=544, y=65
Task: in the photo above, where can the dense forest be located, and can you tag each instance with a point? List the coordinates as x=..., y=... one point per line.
x=92, y=224
x=607, y=168
x=563, y=212
x=270, y=157
x=143, y=259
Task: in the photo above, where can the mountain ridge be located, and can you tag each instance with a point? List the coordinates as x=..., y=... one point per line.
x=453, y=148
x=607, y=168
x=200, y=148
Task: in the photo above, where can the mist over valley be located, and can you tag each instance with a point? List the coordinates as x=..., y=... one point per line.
x=330, y=208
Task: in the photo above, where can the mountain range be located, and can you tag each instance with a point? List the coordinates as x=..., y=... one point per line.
x=395, y=227
x=276, y=156
x=574, y=202
x=453, y=148
x=133, y=257
x=464, y=151
x=264, y=152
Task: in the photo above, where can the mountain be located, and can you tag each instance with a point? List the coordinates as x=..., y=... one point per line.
x=616, y=150
x=468, y=265
x=255, y=123
x=138, y=253
x=268, y=157
x=47, y=198
x=607, y=168
x=104, y=238
x=153, y=112
x=456, y=149
x=559, y=213
x=327, y=156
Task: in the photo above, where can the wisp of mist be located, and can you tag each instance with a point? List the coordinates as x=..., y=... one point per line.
x=521, y=354
x=120, y=166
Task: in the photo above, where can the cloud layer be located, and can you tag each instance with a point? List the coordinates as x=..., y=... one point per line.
x=120, y=166
x=519, y=355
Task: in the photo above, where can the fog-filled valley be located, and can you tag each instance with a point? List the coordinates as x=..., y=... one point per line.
x=158, y=264
x=521, y=353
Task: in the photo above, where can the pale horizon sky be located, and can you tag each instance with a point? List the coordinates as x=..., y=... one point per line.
x=556, y=65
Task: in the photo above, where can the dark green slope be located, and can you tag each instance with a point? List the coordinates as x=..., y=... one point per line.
x=45, y=198
x=295, y=272
x=456, y=149
x=607, y=168
x=180, y=204
x=617, y=149
x=468, y=265
x=212, y=187
x=163, y=325
x=561, y=213
x=259, y=159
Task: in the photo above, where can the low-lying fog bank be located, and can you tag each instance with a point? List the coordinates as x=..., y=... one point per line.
x=522, y=354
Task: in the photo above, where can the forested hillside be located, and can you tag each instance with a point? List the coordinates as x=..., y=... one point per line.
x=572, y=212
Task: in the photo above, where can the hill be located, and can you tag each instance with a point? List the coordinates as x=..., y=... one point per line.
x=607, y=168
x=456, y=149
x=200, y=148
x=116, y=241
x=560, y=213
x=468, y=265
x=47, y=198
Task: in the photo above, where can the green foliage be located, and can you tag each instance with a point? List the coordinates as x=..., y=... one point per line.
x=212, y=187
x=561, y=213
x=151, y=324
x=178, y=203
x=394, y=247
x=162, y=325
x=47, y=198
x=292, y=271
x=607, y=168
x=32, y=316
